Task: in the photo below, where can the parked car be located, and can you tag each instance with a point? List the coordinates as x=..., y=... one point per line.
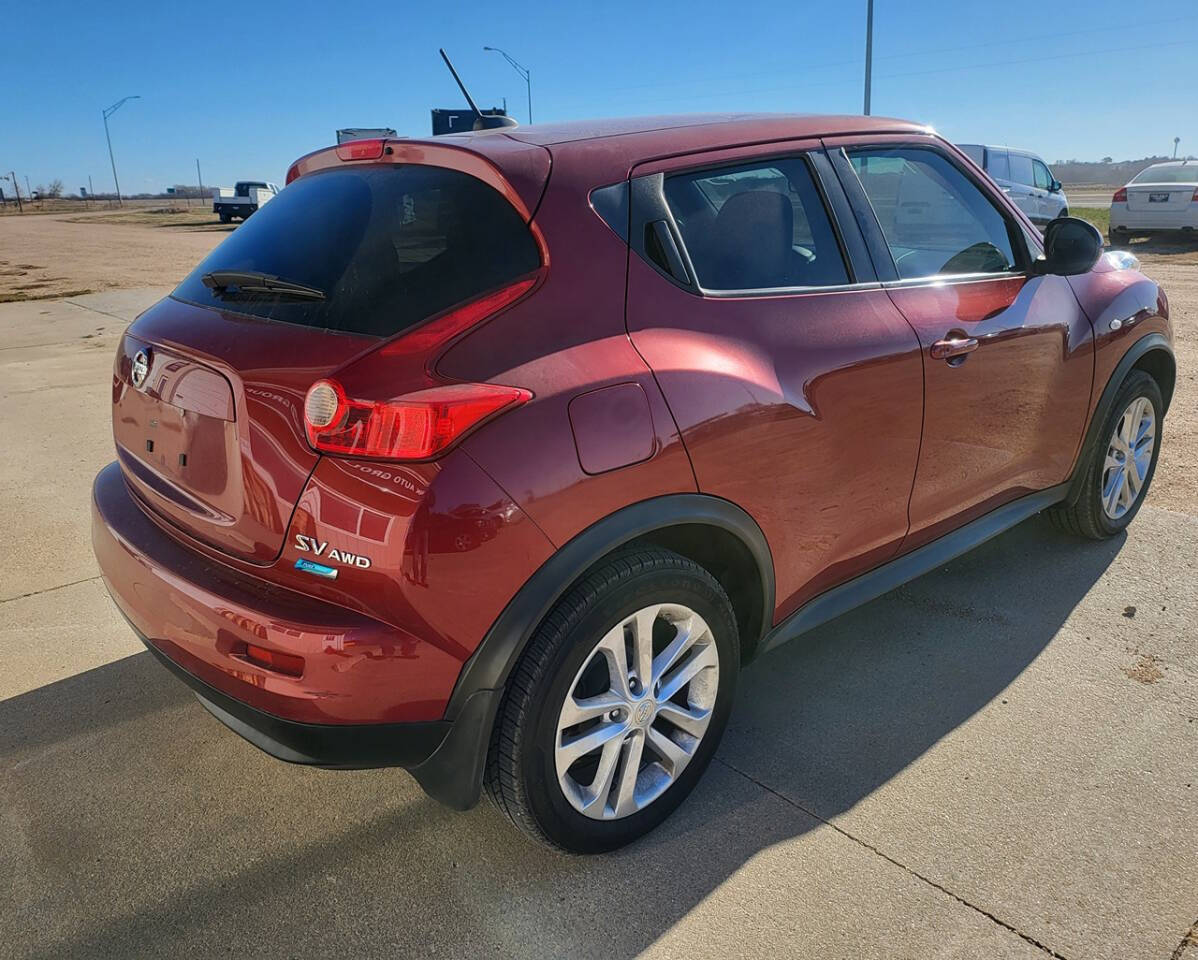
x=1160, y=199
x=1025, y=177
x=451, y=462
x=247, y=197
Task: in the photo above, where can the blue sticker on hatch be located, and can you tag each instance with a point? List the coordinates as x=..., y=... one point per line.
x=319, y=569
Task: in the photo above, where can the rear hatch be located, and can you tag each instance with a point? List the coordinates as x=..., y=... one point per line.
x=1162, y=197
x=209, y=384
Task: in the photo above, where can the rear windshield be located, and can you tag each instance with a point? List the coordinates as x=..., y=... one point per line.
x=1182, y=173
x=389, y=246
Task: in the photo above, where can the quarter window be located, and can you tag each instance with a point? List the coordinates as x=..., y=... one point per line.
x=935, y=220
x=756, y=226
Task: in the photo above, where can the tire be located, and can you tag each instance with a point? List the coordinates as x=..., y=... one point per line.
x=568, y=653
x=225, y=218
x=1118, y=237
x=1085, y=514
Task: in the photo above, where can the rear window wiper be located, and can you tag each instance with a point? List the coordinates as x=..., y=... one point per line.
x=254, y=281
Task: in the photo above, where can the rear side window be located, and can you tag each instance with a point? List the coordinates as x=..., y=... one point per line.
x=1021, y=170
x=758, y=226
x=998, y=164
x=935, y=220
x=387, y=245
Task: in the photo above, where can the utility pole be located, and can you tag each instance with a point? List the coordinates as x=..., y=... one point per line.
x=91, y=191
x=1176, y=141
x=12, y=175
x=200, y=178
x=28, y=189
x=108, y=112
x=523, y=71
x=869, y=50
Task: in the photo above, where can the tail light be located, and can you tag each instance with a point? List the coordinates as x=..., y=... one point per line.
x=428, y=416
x=416, y=426
x=1120, y=196
x=1194, y=198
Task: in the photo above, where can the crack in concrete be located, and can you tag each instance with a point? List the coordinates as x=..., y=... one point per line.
x=1189, y=940
x=61, y=586
x=104, y=313
x=1028, y=938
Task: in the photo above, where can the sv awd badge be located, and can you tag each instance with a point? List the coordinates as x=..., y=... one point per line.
x=320, y=548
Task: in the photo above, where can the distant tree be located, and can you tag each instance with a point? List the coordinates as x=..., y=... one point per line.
x=54, y=189
x=1107, y=160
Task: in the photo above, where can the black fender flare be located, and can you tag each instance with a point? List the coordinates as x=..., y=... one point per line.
x=454, y=773
x=1136, y=352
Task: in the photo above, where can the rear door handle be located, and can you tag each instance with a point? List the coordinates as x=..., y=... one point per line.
x=951, y=348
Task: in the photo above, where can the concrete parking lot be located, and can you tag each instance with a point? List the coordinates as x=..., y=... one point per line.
x=998, y=760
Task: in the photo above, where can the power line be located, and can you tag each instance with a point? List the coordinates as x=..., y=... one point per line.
x=918, y=73
x=911, y=54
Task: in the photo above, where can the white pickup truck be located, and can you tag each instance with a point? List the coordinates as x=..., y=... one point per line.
x=245, y=197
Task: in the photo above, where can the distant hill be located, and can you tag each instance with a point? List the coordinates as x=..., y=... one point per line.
x=1106, y=171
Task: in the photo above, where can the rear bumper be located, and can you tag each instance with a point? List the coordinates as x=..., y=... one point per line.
x=1124, y=219
x=194, y=617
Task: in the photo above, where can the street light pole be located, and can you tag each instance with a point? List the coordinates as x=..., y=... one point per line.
x=869, y=50
x=108, y=112
x=1176, y=141
x=523, y=71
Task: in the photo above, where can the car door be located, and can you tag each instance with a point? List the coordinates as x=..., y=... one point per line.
x=1046, y=207
x=795, y=382
x=1023, y=185
x=1007, y=354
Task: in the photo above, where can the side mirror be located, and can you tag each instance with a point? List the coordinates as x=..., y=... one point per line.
x=1071, y=246
x=1055, y=186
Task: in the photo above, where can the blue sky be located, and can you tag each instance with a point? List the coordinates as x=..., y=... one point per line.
x=248, y=88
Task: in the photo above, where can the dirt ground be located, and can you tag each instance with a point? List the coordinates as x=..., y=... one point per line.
x=50, y=256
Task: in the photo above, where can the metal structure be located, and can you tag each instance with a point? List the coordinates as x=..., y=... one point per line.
x=869, y=51
x=524, y=72
x=108, y=112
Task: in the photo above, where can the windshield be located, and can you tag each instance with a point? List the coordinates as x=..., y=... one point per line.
x=1168, y=173
x=387, y=246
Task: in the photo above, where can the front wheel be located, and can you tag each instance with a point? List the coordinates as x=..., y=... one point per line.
x=1118, y=469
x=618, y=703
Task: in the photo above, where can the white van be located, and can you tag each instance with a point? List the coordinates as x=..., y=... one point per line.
x=1025, y=177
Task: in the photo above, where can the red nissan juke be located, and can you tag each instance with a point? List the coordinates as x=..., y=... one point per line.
x=497, y=456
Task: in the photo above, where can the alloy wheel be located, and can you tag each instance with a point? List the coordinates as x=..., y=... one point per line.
x=1128, y=458
x=636, y=711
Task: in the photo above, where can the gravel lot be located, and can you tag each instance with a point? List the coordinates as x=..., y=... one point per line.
x=997, y=760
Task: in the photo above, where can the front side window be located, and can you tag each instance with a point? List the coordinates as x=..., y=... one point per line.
x=1040, y=172
x=935, y=220
x=756, y=226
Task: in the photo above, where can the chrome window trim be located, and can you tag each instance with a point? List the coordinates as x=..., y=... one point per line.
x=765, y=292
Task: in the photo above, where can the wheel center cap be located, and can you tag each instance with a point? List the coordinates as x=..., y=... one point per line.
x=643, y=712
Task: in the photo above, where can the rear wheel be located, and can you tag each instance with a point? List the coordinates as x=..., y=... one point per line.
x=617, y=705
x=1118, y=469
x=226, y=218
